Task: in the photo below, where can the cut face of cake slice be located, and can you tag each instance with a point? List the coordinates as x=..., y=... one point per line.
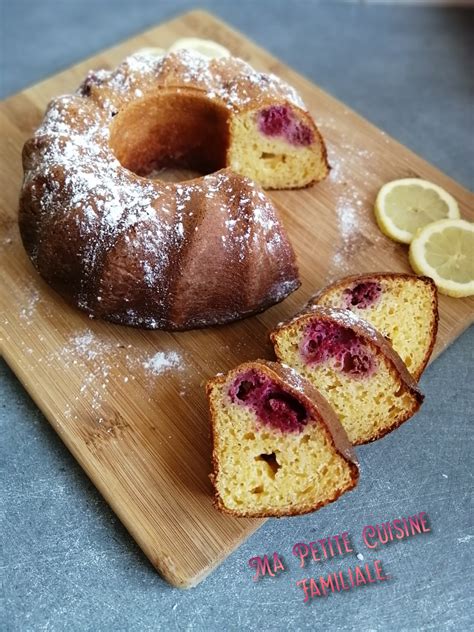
x=402, y=307
x=278, y=448
x=353, y=366
x=278, y=145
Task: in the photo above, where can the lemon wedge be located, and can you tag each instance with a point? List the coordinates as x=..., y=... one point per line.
x=444, y=251
x=404, y=206
x=208, y=48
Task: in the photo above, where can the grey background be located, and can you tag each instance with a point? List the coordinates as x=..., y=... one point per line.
x=67, y=563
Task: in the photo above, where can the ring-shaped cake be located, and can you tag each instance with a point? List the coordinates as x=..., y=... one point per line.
x=136, y=250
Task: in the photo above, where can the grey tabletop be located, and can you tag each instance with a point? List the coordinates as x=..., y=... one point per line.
x=67, y=563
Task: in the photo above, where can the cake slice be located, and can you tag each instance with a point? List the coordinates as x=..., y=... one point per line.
x=353, y=366
x=278, y=145
x=403, y=307
x=278, y=447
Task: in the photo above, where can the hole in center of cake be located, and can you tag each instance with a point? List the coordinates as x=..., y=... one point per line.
x=171, y=137
x=324, y=340
x=272, y=404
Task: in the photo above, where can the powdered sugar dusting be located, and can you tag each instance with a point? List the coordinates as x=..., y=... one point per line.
x=348, y=220
x=86, y=345
x=27, y=312
x=231, y=80
x=74, y=161
x=353, y=208
x=162, y=362
x=108, y=365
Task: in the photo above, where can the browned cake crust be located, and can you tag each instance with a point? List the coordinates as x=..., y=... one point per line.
x=143, y=252
x=362, y=328
x=319, y=409
x=380, y=276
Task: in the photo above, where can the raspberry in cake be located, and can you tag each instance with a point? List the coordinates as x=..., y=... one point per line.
x=278, y=447
x=353, y=366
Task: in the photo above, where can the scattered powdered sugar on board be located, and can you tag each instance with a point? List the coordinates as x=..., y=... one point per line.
x=88, y=346
x=162, y=362
x=348, y=220
x=91, y=353
x=27, y=312
x=106, y=365
x=356, y=226
x=29, y=298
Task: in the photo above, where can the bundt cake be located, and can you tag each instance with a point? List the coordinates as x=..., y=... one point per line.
x=353, y=366
x=402, y=307
x=140, y=251
x=278, y=448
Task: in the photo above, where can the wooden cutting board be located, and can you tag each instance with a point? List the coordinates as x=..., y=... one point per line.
x=130, y=404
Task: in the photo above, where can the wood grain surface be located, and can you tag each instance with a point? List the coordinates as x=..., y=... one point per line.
x=130, y=404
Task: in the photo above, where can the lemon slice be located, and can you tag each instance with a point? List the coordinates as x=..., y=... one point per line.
x=208, y=48
x=404, y=206
x=444, y=251
x=151, y=51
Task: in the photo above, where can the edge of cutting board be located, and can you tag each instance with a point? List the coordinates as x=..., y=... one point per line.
x=200, y=22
